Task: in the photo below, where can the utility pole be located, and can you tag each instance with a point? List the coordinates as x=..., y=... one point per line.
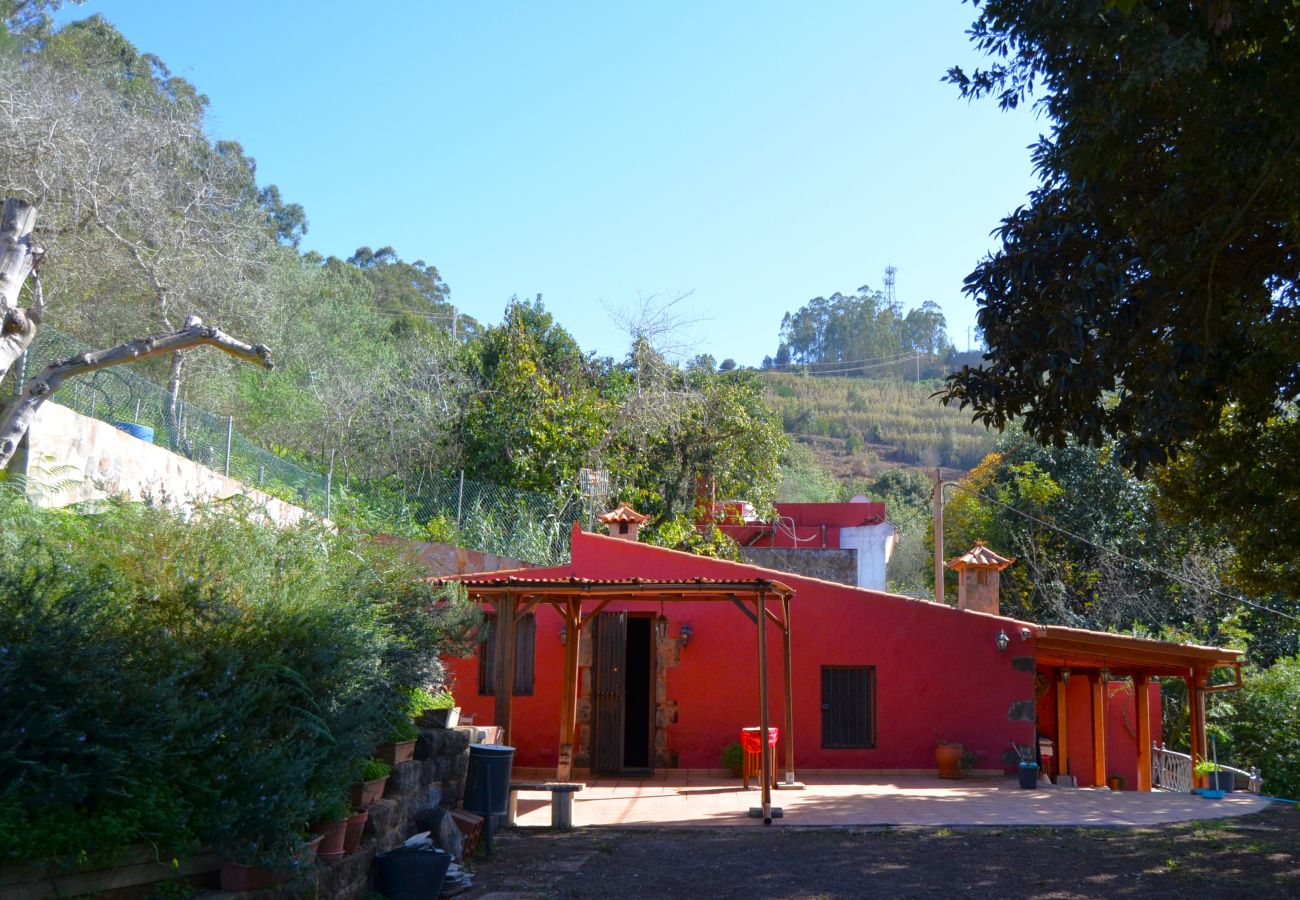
x=938, y=535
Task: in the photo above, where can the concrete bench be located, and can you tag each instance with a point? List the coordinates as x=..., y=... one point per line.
x=561, y=800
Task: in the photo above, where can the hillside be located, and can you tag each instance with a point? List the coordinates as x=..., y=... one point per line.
x=860, y=427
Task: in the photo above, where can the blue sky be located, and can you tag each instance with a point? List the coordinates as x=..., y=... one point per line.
x=754, y=154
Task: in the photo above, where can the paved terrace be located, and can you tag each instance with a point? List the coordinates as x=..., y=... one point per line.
x=838, y=800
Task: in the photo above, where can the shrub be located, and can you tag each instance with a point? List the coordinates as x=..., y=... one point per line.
x=197, y=679
x=1260, y=723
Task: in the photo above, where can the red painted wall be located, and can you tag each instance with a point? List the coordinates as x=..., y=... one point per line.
x=1121, y=727
x=939, y=673
x=807, y=525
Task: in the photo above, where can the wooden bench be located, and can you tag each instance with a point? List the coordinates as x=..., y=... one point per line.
x=561, y=800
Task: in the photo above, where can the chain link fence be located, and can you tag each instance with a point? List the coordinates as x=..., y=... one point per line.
x=444, y=509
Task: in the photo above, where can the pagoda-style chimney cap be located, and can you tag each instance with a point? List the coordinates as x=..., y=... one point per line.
x=624, y=514
x=979, y=557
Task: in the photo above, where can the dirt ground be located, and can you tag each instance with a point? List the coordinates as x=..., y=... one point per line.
x=1256, y=856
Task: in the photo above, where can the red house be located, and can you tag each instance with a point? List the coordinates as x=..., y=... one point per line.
x=634, y=658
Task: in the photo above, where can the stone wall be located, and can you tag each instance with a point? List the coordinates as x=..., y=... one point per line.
x=840, y=566
x=435, y=778
x=448, y=559
x=70, y=458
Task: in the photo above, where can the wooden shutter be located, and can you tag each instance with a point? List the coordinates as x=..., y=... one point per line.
x=848, y=706
x=610, y=688
x=525, y=646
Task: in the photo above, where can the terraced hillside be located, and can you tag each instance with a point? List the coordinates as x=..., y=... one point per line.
x=860, y=427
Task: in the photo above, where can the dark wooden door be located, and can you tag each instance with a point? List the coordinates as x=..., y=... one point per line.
x=610, y=689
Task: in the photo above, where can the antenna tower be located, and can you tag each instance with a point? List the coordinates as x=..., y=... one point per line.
x=890, y=272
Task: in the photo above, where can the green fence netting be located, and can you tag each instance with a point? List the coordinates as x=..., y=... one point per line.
x=446, y=509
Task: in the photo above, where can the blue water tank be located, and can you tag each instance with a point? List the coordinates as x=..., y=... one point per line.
x=143, y=432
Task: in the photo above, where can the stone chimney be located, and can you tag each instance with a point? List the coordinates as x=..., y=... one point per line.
x=623, y=522
x=977, y=578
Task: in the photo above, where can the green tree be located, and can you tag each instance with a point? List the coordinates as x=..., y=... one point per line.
x=1149, y=287
x=1091, y=550
x=538, y=412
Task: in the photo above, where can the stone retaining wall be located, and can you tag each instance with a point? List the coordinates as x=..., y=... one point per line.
x=435, y=778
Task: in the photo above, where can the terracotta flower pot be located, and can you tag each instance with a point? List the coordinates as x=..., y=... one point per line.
x=393, y=754
x=238, y=878
x=948, y=758
x=368, y=792
x=356, y=825
x=332, y=833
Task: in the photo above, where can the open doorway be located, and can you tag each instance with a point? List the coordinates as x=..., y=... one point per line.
x=623, y=737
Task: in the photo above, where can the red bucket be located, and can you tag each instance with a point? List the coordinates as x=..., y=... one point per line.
x=749, y=738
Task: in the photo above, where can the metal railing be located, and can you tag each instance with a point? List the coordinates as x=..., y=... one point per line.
x=1172, y=771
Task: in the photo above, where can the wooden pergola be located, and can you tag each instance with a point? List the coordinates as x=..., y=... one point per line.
x=1099, y=656
x=513, y=597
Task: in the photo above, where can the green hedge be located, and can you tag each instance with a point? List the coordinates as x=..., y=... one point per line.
x=196, y=680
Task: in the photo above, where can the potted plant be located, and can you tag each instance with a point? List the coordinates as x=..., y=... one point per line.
x=948, y=756
x=374, y=775
x=733, y=758
x=356, y=825
x=1219, y=779
x=332, y=824
x=438, y=711
x=400, y=745
x=1115, y=782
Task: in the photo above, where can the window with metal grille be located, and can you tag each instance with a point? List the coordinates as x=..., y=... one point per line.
x=848, y=706
x=525, y=641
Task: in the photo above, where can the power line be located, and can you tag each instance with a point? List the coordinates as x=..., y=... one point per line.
x=902, y=355
x=1129, y=559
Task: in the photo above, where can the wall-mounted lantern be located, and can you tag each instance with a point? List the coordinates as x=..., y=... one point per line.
x=1003, y=641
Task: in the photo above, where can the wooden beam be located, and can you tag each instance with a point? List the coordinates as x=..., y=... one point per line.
x=771, y=614
x=1062, y=722
x=743, y=608
x=764, y=753
x=505, y=664
x=1098, y=685
x=590, y=617
x=789, y=693
x=569, y=706
x=524, y=610
x=1142, y=697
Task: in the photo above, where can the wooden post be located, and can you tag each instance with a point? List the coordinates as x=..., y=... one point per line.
x=1196, y=724
x=766, y=756
x=1098, y=685
x=789, y=694
x=505, y=664
x=569, y=707
x=1142, y=700
x=1062, y=722
x=938, y=536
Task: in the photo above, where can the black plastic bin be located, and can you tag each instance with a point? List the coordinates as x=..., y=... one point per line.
x=1029, y=775
x=411, y=873
x=487, y=782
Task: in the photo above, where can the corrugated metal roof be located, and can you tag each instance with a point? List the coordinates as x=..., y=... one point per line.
x=612, y=585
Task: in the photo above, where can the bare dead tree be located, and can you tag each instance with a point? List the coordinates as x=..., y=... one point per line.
x=19, y=257
x=132, y=188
